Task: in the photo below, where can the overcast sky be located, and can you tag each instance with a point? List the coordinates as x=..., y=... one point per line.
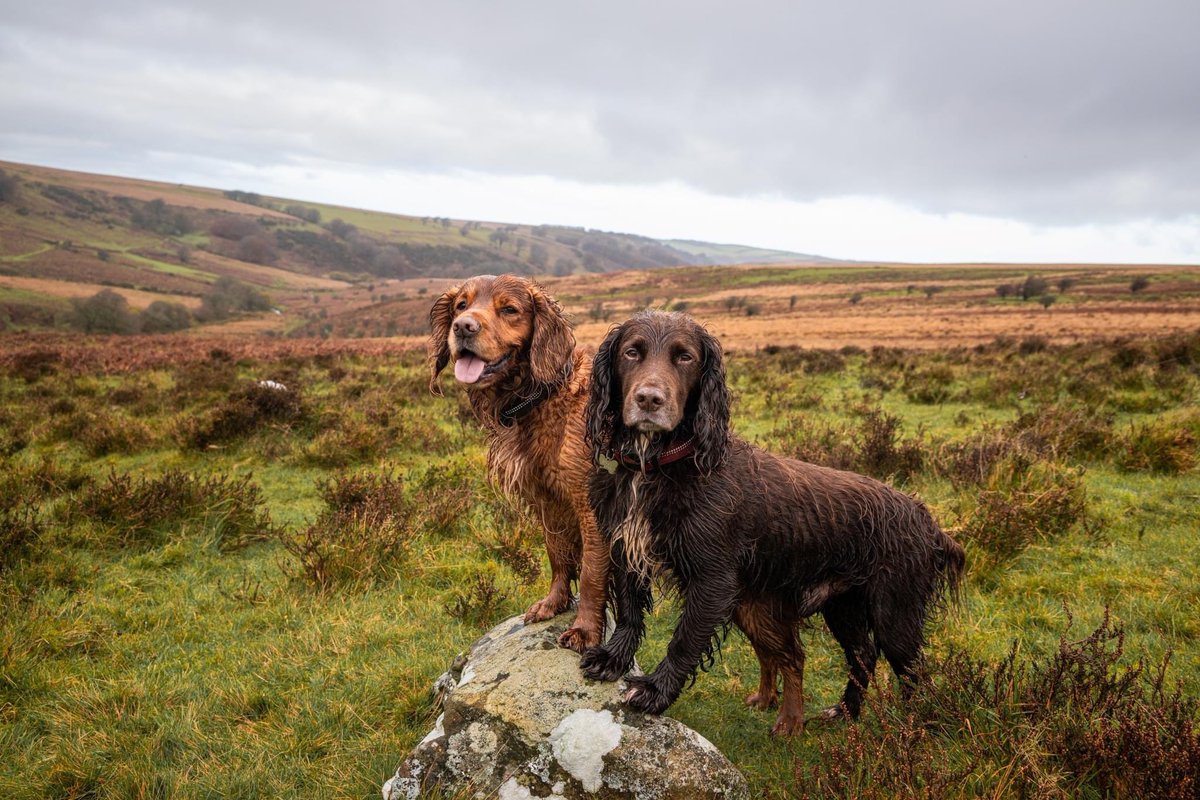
x=960, y=130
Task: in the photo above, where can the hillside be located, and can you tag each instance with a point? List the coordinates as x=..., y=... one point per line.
x=69, y=235
x=717, y=254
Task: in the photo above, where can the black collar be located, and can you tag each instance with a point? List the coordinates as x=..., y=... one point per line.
x=541, y=393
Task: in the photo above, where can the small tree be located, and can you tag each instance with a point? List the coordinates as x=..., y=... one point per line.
x=792, y=303
x=1065, y=284
x=538, y=255
x=1047, y=300
x=10, y=187
x=856, y=298
x=1139, y=283
x=1006, y=290
x=163, y=317
x=930, y=291
x=1034, y=286
x=257, y=249
x=104, y=312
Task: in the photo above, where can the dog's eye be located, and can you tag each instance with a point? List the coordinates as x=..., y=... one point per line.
x=462, y=305
x=508, y=310
x=685, y=357
x=632, y=353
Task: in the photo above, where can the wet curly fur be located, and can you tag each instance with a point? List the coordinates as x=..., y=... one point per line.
x=746, y=537
x=539, y=458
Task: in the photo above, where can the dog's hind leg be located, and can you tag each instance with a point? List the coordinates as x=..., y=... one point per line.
x=848, y=619
x=755, y=621
x=772, y=633
x=900, y=633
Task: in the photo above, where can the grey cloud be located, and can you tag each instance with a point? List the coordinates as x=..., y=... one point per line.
x=1050, y=112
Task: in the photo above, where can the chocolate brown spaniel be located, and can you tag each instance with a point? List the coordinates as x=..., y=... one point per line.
x=514, y=352
x=746, y=537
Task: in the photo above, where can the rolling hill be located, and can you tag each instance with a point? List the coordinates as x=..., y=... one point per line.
x=66, y=235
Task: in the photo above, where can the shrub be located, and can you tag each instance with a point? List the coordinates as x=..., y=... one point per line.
x=1139, y=283
x=1033, y=344
x=447, y=492
x=229, y=296
x=104, y=312
x=257, y=249
x=234, y=227
x=361, y=537
x=1061, y=430
x=1024, y=500
x=10, y=187
x=516, y=541
x=874, y=447
x=1165, y=444
x=481, y=604
x=812, y=361
x=102, y=432
x=244, y=412
x=929, y=385
x=33, y=365
x=20, y=530
x=128, y=511
x=33, y=483
x=163, y=317
x=350, y=441
x=1034, y=286
x=1075, y=723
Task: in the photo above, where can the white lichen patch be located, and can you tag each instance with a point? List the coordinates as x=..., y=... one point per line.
x=482, y=738
x=437, y=731
x=467, y=674
x=581, y=741
x=705, y=743
x=511, y=790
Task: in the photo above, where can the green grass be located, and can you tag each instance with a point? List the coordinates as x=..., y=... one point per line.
x=178, y=666
x=170, y=269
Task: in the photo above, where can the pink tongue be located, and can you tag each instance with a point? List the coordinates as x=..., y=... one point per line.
x=468, y=369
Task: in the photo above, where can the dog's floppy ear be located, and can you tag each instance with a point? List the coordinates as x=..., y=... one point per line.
x=441, y=316
x=553, y=343
x=710, y=425
x=600, y=416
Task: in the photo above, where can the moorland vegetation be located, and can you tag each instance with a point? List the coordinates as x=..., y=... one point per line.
x=233, y=569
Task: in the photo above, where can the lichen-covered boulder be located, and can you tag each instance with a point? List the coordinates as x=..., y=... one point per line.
x=520, y=721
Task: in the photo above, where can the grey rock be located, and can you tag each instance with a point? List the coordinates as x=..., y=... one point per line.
x=519, y=721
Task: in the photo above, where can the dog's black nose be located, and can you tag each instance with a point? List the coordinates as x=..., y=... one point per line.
x=466, y=325
x=649, y=398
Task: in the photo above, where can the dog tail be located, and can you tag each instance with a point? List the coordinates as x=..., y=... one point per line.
x=951, y=564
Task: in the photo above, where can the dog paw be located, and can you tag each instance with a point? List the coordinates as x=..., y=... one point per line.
x=600, y=664
x=762, y=701
x=579, y=638
x=832, y=715
x=644, y=695
x=788, y=725
x=544, y=609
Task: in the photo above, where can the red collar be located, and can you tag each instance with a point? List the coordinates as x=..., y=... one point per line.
x=676, y=452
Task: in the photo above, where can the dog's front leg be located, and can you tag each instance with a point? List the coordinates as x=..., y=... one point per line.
x=631, y=595
x=708, y=603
